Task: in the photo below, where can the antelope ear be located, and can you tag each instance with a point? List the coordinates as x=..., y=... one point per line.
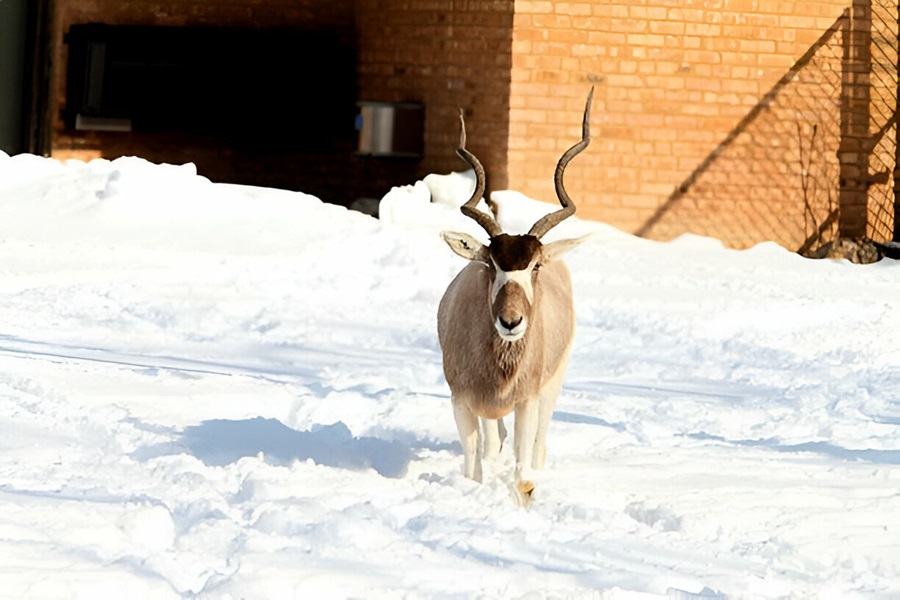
x=466, y=246
x=553, y=250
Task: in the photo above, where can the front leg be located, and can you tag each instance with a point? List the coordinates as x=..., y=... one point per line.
x=469, y=434
x=526, y=427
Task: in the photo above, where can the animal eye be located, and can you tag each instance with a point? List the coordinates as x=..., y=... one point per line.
x=537, y=267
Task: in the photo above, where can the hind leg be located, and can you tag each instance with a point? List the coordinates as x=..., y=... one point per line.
x=494, y=435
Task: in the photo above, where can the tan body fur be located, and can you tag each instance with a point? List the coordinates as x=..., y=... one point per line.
x=489, y=375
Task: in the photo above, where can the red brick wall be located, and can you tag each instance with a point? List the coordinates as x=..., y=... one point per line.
x=672, y=81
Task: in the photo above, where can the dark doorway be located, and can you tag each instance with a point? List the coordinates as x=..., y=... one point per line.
x=13, y=44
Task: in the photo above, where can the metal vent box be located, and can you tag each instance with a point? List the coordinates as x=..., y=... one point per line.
x=393, y=129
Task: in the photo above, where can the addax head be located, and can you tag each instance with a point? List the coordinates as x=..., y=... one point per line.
x=515, y=260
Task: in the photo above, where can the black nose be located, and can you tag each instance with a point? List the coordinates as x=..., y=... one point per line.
x=510, y=325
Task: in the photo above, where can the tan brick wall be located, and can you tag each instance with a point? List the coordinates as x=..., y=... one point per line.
x=880, y=214
x=672, y=81
x=675, y=83
x=446, y=55
x=776, y=176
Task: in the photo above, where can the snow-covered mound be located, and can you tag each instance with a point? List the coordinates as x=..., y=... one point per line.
x=232, y=392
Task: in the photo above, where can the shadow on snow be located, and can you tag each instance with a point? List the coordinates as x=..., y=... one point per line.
x=886, y=457
x=220, y=442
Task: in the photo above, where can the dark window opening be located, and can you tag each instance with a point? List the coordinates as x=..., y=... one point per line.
x=265, y=89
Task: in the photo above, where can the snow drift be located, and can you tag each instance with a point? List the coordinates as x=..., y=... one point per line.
x=221, y=391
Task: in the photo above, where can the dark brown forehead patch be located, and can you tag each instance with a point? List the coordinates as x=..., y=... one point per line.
x=513, y=252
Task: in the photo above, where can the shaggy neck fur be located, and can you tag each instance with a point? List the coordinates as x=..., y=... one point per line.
x=509, y=355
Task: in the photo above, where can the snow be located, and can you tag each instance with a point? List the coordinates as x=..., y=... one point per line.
x=220, y=391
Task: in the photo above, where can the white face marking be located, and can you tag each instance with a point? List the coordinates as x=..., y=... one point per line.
x=523, y=279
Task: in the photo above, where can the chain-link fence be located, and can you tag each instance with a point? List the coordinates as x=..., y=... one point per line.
x=883, y=190
x=820, y=144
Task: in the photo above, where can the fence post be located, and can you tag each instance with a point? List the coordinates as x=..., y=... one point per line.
x=853, y=152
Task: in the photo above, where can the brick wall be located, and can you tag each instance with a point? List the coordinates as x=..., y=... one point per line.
x=701, y=114
x=446, y=55
x=776, y=176
x=672, y=80
x=443, y=54
x=880, y=219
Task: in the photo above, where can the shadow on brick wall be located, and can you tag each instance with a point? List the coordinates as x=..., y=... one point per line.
x=781, y=174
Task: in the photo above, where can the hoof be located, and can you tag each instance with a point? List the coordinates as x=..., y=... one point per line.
x=525, y=493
